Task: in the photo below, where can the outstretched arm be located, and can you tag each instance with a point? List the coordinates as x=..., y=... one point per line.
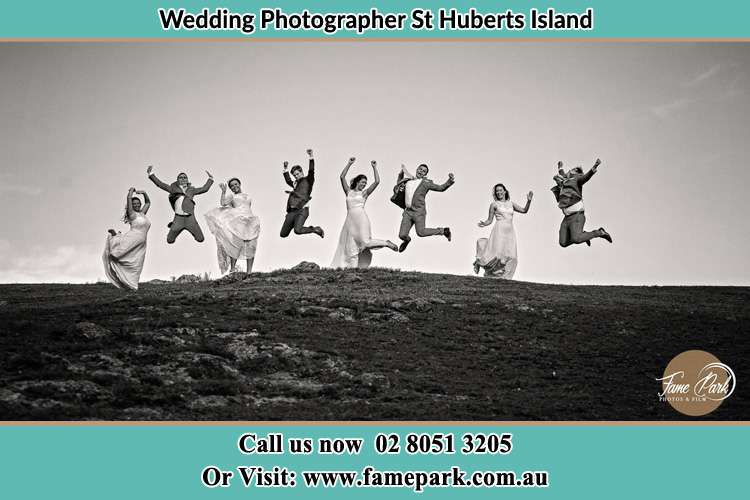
x=528, y=204
x=442, y=187
x=588, y=175
x=491, y=214
x=344, y=172
x=207, y=185
x=146, y=201
x=376, y=176
x=155, y=180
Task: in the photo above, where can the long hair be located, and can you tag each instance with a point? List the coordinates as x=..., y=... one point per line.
x=494, y=192
x=125, y=217
x=353, y=183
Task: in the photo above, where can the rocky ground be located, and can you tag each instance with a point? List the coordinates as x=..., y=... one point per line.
x=359, y=345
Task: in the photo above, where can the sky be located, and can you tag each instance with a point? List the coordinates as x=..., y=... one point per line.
x=80, y=122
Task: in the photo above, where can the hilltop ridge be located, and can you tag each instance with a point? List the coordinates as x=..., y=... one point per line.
x=358, y=345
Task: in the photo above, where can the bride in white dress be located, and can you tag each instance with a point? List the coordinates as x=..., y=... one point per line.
x=124, y=253
x=355, y=241
x=235, y=227
x=497, y=255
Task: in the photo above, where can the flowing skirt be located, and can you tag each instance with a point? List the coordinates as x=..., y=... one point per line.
x=123, y=258
x=498, y=253
x=355, y=241
x=236, y=234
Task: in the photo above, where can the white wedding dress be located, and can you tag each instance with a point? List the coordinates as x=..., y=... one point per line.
x=498, y=254
x=124, y=253
x=235, y=227
x=355, y=241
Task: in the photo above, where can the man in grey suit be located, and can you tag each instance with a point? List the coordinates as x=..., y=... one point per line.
x=181, y=194
x=568, y=191
x=415, y=211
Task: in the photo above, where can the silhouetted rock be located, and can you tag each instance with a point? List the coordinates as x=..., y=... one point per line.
x=188, y=278
x=232, y=278
x=306, y=266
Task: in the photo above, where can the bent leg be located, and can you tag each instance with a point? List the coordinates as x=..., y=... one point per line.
x=299, y=221
x=375, y=244
x=577, y=234
x=191, y=224
x=178, y=225
x=406, y=223
x=422, y=231
x=565, y=232
x=288, y=224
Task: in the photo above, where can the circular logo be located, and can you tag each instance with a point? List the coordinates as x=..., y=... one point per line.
x=696, y=382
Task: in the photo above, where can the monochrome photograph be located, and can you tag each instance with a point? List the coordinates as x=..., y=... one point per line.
x=388, y=231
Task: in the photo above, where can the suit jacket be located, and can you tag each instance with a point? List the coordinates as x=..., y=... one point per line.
x=301, y=191
x=425, y=186
x=175, y=191
x=399, y=191
x=569, y=191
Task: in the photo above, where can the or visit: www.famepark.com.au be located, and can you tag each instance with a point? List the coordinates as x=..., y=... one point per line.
x=418, y=480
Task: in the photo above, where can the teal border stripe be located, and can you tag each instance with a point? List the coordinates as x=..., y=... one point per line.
x=584, y=462
x=662, y=19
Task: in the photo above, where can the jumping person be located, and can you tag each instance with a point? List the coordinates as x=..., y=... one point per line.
x=568, y=191
x=356, y=243
x=181, y=194
x=498, y=253
x=415, y=211
x=297, y=210
x=235, y=227
x=124, y=253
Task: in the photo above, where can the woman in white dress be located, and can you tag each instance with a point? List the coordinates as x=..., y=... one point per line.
x=497, y=255
x=124, y=253
x=355, y=241
x=235, y=227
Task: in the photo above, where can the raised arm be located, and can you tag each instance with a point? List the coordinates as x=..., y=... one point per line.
x=155, y=180
x=560, y=170
x=490, y=215
x=406, y=174
x=376, y=177
x=226, y=195
x=442, y=187
x=146, y=201
x=342, y=177
x=311, y=168
x=528, y=204
x=287, y=177
x=588, y=175
x=207, y=185
x=129, y=203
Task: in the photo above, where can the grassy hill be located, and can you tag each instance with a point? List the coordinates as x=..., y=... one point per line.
x=359, y=345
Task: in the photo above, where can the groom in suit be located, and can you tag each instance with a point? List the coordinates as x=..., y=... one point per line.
x=415, y=210
x=181, y=194
x=568, y=191
x=297, y=211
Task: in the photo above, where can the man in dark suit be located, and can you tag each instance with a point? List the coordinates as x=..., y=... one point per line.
x=181, y=194
x=297, y=210
x=568, y=191
x=415, y=211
